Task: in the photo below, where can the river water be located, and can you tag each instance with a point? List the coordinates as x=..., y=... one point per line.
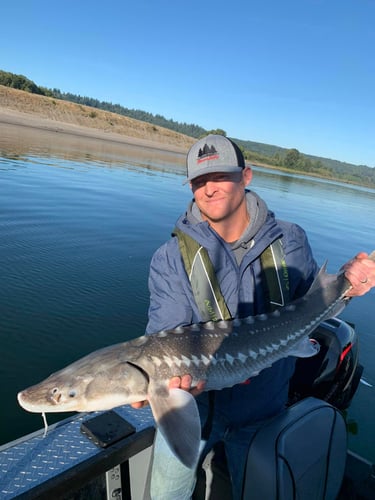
x=79, y=222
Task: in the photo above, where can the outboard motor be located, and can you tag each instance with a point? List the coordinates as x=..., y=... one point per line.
x=334, y=373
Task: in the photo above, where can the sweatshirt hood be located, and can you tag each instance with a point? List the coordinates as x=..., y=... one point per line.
x=260, y=221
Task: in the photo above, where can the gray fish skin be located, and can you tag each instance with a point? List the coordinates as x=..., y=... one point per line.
x=222, y=354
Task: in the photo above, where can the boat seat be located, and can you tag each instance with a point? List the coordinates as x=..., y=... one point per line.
x=300, y=454
x=297, y=455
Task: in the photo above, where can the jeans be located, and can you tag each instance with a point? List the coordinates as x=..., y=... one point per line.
x=171, y=480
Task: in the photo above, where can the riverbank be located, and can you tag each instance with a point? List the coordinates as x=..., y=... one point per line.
x=36, y=112
x=45, y=113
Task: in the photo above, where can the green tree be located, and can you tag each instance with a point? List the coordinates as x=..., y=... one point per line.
x=292, y=158
x=216, y=131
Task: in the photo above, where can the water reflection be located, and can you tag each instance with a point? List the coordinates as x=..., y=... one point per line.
x=24, y=143
x=284, y=181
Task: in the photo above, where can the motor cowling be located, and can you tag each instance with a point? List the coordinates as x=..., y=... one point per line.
x=334, y=373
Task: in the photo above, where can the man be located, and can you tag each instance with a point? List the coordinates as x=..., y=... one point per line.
x=236, y=228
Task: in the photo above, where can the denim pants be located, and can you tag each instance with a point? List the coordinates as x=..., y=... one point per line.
x=171, y=480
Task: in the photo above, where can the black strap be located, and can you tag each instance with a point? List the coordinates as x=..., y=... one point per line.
x=207, y=428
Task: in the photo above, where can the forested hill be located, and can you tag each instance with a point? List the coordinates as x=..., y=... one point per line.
x=258, y=153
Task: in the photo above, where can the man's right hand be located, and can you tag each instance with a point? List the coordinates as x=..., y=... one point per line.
x=183, y=382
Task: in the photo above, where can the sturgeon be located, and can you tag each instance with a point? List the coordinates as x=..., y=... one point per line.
x=221, y=354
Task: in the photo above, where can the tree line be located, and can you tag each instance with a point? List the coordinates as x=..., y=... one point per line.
x=258, y=153
x=191, y=130
x=19, y=82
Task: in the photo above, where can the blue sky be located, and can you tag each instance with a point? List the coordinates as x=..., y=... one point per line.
x=294, y=73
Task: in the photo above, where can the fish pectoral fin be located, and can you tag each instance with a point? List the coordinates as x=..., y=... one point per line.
x=177, y=418
x=305, y=348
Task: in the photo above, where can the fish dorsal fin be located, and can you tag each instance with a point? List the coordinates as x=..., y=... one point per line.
x=177, y=417
x=319, y=278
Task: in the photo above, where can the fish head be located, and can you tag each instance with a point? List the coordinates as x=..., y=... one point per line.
x=77, y=388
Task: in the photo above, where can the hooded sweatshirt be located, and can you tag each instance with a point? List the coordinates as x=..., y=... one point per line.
x=239, y=273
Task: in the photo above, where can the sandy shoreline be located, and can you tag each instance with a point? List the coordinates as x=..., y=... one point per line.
x=17, y=118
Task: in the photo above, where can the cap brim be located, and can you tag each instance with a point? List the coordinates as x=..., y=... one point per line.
x=213, y=170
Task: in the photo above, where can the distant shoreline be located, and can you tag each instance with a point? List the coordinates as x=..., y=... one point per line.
x=19, y=119
x=22, y=109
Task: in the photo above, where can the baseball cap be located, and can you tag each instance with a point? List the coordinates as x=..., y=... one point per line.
x=214, y=153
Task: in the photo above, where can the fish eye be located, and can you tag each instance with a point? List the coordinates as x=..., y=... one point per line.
x=72, y=394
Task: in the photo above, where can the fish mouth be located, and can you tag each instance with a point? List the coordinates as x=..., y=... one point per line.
x=25, y=404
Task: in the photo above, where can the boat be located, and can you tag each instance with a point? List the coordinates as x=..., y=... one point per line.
x=301, y=453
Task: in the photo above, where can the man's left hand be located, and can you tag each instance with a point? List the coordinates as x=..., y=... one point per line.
x=360, y=271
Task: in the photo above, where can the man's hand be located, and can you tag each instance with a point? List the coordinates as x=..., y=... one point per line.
x=139, y=404
x=183, y=382
x=360, y=271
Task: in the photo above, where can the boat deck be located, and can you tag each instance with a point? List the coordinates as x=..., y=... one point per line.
x=36, y=466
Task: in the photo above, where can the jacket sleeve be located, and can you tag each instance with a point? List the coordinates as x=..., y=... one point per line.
x=170, y=297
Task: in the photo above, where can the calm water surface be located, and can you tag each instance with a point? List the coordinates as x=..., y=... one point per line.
x=79, y=222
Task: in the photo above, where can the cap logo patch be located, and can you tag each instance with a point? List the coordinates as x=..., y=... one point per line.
x=207, y=153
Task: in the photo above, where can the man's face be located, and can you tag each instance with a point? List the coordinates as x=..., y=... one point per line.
x=220, y=195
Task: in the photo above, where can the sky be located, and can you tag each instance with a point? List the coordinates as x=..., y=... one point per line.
x=292, y=73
